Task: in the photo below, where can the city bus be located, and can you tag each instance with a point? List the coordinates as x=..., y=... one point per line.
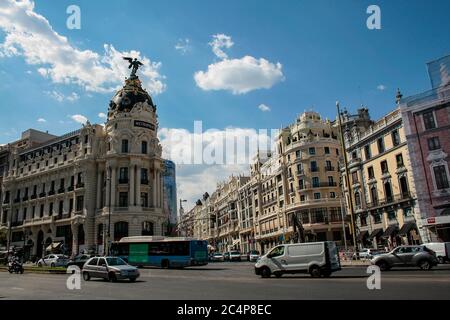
x=159, y=251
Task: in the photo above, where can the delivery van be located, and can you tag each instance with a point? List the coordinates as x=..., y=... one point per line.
x=442, y=250
x=319, y=259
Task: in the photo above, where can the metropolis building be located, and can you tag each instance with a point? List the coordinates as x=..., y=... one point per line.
x=69, y=192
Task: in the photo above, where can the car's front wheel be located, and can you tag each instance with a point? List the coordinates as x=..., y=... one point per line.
x=265, y=272
x=86, y=276
x=383, y=265
x=424, y=265
x=112, y=277
x=52, y=265
x=314, y=272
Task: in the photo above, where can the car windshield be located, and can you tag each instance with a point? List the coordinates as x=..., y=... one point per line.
x=235, y=252
x=115, y=262
x=217, y=254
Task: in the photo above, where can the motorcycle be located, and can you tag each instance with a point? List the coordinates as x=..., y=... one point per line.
x=14, y=266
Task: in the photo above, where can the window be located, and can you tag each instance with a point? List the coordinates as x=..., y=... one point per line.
x=147, y=228
x=434, y=143
x=380, y=144
x=80, y=203
x=355, y=177
x=120, y=230
x=391, y=215
x=144, y=147
x=124, y=146
x=374, y=195
x=314, y=166
x=332, y=195
x=298, y=154
x=86, y=139
x=315, y=182
x=301, y=184
x=316, y=195
x=384, y=167
x=123, y=175
x=357, y=199
x=93, y=262
x=428, y=120
x=41, y=211
x=440, y=175
x=312, y=151
x=370, y=173
x=363, y=220
x=100, y=233
x=395, y=138
x=50, y=209
x=331, y=181
x=61, y=208
x=327, y=150
x=70, y=205
x=399, y=159
x=144, y=199
x=144, y=176
x=376, y=218
x=276, y=252
x=123, y=199
x=302, y=198
x=328, y=165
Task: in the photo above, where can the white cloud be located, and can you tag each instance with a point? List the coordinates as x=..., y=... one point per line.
x=30, y=35
x=79, y=118
x=381, y=87
x=29, y=72
x=240, y=75
x=102, y=115
x=183, y=45
x=221, y=41
x=263, y=107
x=60, y=97
x=41, y=120
x=179, y=145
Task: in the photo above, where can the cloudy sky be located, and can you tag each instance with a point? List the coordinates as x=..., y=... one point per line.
x=235, y=65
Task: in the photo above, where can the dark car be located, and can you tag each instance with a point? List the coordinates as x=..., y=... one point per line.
x=226, y=256
x=79, y=260
x=406, y=256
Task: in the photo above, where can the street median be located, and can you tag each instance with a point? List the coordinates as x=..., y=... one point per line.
x=36, y=269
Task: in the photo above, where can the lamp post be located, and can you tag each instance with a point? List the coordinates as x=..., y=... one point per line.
x=347, y=182
x=108, y=231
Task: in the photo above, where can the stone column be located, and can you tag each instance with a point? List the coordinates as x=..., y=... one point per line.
x=161, y=191
x=154, y=203
x=99, y=188
x=132, y=202
x=113, y=186
x=138, y=185
x=108, y=186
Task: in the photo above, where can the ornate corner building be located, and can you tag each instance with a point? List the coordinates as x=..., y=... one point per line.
x=75, y=190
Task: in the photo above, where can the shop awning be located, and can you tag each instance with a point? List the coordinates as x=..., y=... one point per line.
x=375, y=233
x=389, y=231
x=363, y=234
x=54, y=245
x=406, y=228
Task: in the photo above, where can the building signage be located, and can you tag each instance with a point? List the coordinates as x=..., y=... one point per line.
x=431, y=220
x=143, y=124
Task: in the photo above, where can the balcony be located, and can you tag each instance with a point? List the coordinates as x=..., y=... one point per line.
x=25, y=198
x=80, y=185
x=61, y=190
x=324, y=185
x=314, y=169
x=300, y=172
x=33, y=196
x=123, y=181
x=17, y=200
x=16, y=223
x=405, y=196
x=6, y=201
x=42, y=194
x=70, y=188
x=51, y=192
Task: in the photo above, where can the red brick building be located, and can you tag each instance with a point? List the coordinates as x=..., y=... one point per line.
x=426, y=118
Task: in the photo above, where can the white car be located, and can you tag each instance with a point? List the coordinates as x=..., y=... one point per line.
x=53, y=260
x=253, y=256
x=442, y=250
x=366, y=254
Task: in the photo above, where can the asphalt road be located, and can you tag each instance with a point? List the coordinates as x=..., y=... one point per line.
x=234, y=280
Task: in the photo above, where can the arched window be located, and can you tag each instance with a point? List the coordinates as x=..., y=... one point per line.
x=120, y=230
x=147, y=228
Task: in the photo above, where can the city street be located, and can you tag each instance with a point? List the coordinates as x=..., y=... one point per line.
x=234, y=281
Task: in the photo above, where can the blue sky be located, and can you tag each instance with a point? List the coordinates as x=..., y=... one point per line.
x=325, y=50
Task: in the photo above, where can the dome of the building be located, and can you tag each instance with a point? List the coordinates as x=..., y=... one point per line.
x=127, y=97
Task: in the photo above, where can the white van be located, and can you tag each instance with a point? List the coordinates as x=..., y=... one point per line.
x=316, y=258
x=442, y=250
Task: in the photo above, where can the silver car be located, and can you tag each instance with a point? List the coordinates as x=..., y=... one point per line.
x=406, y=256
x=53, y=260
x=109, y=268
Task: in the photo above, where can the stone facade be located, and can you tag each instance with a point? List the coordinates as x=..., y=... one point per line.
x=68, y=192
